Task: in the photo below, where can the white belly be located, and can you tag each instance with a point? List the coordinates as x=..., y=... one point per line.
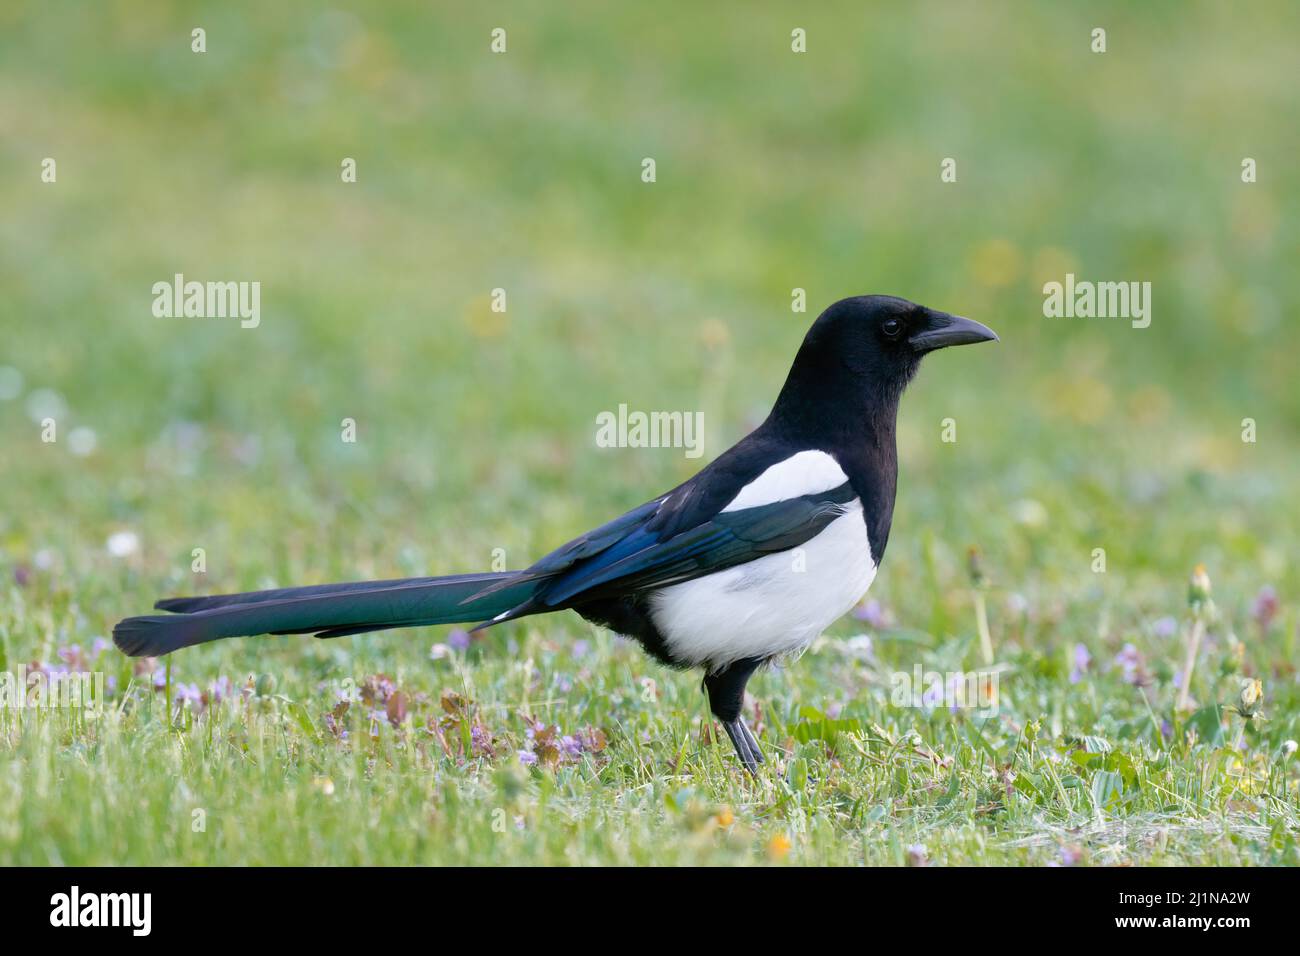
x=774, y=606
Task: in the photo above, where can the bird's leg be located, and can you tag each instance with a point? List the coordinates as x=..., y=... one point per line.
x=726, y=690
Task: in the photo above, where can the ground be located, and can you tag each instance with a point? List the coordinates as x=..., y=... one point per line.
x=1093, y=465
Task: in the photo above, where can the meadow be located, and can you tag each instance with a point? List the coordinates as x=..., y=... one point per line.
x=1094, y=465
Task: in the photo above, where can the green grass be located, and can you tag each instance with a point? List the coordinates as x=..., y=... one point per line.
x=476, y=431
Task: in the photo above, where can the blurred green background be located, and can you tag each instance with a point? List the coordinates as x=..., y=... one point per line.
x=775, y=170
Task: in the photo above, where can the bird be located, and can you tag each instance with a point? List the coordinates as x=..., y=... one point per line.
x=741, y=566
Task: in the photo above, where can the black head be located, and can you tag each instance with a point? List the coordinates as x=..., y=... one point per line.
x=884, y=338
x=860, y=354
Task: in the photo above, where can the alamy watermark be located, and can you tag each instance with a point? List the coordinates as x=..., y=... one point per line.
x=133, y=911
x=634, y=429
x=208, y=300
x=1100, y=300
x=53, y=690
x=951, y=690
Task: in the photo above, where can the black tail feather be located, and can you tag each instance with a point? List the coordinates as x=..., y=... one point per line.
x=328, y=610
x=187, y=605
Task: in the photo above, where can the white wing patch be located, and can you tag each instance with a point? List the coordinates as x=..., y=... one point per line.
x=804, y=473
x=770, y=607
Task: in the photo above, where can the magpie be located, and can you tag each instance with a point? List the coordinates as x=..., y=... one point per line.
x=744, y=564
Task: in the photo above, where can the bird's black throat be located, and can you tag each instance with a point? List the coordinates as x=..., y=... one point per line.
x=852, y=413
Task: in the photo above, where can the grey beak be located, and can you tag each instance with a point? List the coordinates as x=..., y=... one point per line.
x=942, y=330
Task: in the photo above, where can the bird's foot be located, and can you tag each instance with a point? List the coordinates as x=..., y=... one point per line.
x=746, y=746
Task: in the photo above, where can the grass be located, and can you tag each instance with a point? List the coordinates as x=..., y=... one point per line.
x=476, y=430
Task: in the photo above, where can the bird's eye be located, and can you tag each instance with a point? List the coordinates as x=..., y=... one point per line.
x=892, y=327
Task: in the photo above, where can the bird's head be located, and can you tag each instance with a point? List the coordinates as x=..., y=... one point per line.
x=885, y=337
x=864, y=350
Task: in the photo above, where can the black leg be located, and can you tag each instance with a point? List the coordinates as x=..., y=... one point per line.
x=750, y=757
x=753, y=744
x=726, y=690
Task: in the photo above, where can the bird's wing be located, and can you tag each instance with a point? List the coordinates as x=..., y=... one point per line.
x=647, y=558
x=693, y=530
x=758, y=497
x=687, y=506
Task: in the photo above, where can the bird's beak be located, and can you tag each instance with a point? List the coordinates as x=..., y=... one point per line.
x=942, y=330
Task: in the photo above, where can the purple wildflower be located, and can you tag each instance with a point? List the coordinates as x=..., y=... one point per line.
x=73, y=657
x=956, y=689
x=1165, y=627
x=527, y=758
x=220, y=689
x=49, y=670
x=459, y=639
x=874, y=614
x=933, y=695
x=1134, y=666
x=1265, y=607
x=335, y=723
x=377, y=688
x=1082, y=660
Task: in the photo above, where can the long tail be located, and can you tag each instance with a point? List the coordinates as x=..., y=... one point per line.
x=328, y=610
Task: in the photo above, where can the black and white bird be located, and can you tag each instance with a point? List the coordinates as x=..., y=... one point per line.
x=745, y=563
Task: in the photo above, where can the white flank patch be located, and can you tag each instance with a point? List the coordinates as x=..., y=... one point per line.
x=776, y=605
x=804, y=473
